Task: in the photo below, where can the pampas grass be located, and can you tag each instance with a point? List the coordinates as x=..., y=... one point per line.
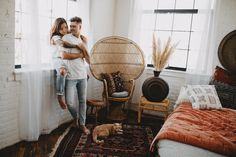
x=161, y=56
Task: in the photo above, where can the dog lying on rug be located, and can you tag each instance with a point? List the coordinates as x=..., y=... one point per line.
x=105, y=130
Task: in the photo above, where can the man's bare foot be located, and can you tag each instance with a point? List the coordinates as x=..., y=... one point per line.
x=84, y=129
x=61, y=102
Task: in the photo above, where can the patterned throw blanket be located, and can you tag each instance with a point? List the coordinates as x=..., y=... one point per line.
x=213, y=130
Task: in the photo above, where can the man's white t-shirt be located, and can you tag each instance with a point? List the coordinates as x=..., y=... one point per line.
x=76, y=67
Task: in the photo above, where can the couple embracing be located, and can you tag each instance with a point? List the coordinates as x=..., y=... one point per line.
x=69, y=56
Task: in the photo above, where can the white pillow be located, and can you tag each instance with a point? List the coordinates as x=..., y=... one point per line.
x=203, y=97
x=183, y=97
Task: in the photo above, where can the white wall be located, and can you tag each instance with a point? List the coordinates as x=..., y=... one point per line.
x=8, y=88
x=102, y=18
x=121, y=23
x=225, y=23
x=110, y=17
x=84, y=13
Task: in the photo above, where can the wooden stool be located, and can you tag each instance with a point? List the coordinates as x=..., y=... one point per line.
x=95, y=105
x=144, y=104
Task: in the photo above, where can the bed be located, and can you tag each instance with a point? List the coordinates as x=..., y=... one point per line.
x=193, y=132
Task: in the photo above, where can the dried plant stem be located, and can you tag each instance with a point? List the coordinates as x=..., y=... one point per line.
x=161, y=57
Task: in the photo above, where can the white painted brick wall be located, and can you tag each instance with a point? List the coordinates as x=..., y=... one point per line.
x=8, y=88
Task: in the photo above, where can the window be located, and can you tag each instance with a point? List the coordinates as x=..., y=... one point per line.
x=48, y=11
x=178, y=19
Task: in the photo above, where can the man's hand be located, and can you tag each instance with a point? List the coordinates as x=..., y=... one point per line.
x=81, y=47
x=84, y=51
x=84, y=39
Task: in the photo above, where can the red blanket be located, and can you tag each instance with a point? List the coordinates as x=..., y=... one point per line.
x=214, y=130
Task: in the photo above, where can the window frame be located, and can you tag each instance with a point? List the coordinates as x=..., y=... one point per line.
x=50, y=17
x=174, y=11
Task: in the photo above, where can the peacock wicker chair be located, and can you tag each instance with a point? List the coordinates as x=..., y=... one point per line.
x=112, y=54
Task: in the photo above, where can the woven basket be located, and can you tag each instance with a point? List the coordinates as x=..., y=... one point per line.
x=114, y=53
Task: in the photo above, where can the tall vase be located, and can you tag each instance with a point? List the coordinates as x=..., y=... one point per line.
x=156, y=73
x=155, y=88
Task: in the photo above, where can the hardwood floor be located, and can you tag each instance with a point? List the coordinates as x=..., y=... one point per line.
x=44, y=145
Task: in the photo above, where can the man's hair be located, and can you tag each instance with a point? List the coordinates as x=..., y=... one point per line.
x=76, y=19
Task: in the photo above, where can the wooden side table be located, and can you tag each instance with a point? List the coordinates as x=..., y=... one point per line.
x=95, y=105
x=144, y=104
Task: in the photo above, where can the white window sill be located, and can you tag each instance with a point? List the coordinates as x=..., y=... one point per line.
x=18, y=72
x=167, y=72
x=174, y=73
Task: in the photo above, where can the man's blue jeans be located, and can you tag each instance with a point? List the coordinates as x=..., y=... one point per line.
x=77, y=110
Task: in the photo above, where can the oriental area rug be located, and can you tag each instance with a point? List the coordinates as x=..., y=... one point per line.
x=134, y=142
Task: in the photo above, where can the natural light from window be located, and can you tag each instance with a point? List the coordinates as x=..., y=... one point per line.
x=179, y=19
x=48, y=10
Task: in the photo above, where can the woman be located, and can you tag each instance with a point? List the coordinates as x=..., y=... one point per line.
x=58, y=30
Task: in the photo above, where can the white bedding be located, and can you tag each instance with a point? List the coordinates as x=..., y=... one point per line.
x=169, y=148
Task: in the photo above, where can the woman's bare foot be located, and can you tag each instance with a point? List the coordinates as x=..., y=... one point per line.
x=84, y=129
x=61, y=102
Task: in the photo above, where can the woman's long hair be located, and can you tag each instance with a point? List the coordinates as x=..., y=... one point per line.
x=55, y=30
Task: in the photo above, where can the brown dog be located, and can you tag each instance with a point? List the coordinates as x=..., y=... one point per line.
x=105, y=130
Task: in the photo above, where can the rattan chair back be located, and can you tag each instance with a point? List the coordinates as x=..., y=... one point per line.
x=114, y=53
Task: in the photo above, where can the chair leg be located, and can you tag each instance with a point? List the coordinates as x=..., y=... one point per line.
x=139, y=112
x=96, y=115
x=126, y=104
x=92, y=110
x=139, y=115
x=87, y=109
x=108, y=109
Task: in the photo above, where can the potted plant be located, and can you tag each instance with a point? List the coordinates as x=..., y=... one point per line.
x=161, y=55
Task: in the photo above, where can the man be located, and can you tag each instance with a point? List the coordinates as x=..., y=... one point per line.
x=77, y=74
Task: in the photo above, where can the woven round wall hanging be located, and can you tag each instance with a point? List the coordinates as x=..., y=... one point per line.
x=227, y=52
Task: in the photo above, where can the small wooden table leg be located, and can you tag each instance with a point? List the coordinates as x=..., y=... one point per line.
x=96, y=115
x=95, y=105
x=139, y=113
x=144, y=104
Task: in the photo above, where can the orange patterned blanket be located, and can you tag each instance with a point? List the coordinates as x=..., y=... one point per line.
x=214, y=130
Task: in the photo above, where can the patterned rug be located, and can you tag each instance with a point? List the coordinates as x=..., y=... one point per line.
x=134, y=142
